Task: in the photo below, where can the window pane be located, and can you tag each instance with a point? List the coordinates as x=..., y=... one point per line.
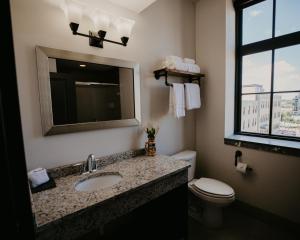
x=255, y=113
x=286, y=114
x=256, y=71
x=287, y=16
x=257, y=22
x=287, y=69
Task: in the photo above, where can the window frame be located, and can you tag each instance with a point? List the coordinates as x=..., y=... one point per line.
x=271, y=44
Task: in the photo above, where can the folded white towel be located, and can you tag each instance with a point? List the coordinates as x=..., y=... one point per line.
x=192, y=96
x=194, y=68
x=167, y=64
x=175, y=59
x=176, y=101
x=38, y=176
x=189, y=60
x=180, y=66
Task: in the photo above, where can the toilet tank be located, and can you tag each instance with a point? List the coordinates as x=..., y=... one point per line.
x=189, y=156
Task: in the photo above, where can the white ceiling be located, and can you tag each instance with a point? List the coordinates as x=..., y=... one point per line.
x=133, y=5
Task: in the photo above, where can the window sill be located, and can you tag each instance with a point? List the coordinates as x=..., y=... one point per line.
x=265, y=144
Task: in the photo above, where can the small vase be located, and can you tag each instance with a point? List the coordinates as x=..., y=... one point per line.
x=150, y=147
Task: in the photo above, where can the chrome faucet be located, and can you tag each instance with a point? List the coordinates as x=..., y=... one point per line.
x=90, y=164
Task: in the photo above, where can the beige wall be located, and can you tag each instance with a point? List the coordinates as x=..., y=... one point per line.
x=166, y=27
x=275, y=183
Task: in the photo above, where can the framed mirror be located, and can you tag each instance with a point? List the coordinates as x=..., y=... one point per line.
x=80, y=92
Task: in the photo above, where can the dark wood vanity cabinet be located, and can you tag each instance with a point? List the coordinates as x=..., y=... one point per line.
x=163, y=218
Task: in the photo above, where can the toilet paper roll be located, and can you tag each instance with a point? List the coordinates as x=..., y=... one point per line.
x=241, y=167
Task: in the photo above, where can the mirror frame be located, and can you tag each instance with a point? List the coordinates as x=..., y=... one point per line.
x=48, y=127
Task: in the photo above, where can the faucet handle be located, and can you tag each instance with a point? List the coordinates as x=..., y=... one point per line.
x=93, y=162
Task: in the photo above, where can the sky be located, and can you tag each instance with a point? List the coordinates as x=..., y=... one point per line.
x=257, y=25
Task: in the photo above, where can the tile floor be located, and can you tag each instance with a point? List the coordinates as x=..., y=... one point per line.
x=240, y=226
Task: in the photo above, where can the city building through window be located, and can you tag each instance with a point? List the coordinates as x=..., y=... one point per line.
x=268, y=69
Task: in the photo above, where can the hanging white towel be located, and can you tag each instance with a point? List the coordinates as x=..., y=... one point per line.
x=177, y=101
x=192, y=96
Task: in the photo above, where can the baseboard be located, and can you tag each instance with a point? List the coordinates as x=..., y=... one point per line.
x=267, y=217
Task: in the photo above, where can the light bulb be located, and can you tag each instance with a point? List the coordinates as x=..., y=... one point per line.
x=101, y=20
x=124, y=26
x=74, y=11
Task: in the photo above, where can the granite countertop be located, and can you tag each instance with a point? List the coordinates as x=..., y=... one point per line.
x=64, y=200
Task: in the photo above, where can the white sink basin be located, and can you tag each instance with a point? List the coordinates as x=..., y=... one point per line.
x=97, y=182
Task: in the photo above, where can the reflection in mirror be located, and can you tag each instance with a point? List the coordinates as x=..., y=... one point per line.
x=88, y=92
x=80, y=92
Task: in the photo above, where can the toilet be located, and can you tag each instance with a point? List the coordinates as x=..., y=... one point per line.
x=214, y=194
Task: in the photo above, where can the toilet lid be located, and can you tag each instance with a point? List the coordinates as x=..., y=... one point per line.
x=214, y=186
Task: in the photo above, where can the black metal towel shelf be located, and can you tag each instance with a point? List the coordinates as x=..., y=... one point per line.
x=165, y=72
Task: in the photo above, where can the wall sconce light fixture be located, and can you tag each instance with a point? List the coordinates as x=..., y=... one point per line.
x=102, y=21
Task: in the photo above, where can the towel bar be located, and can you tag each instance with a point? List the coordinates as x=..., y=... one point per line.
x=165, y=72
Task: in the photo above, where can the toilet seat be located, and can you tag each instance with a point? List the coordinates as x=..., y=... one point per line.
x=212, y=190
x=213, y=187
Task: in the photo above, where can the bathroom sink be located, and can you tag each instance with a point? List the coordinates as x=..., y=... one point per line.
x=98, y=182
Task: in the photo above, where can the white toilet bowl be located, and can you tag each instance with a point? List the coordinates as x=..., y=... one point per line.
x=214, y=194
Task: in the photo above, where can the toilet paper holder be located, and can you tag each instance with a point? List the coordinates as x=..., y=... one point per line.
x=238, y=155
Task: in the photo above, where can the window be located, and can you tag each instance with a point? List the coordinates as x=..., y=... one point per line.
x=268, y=68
